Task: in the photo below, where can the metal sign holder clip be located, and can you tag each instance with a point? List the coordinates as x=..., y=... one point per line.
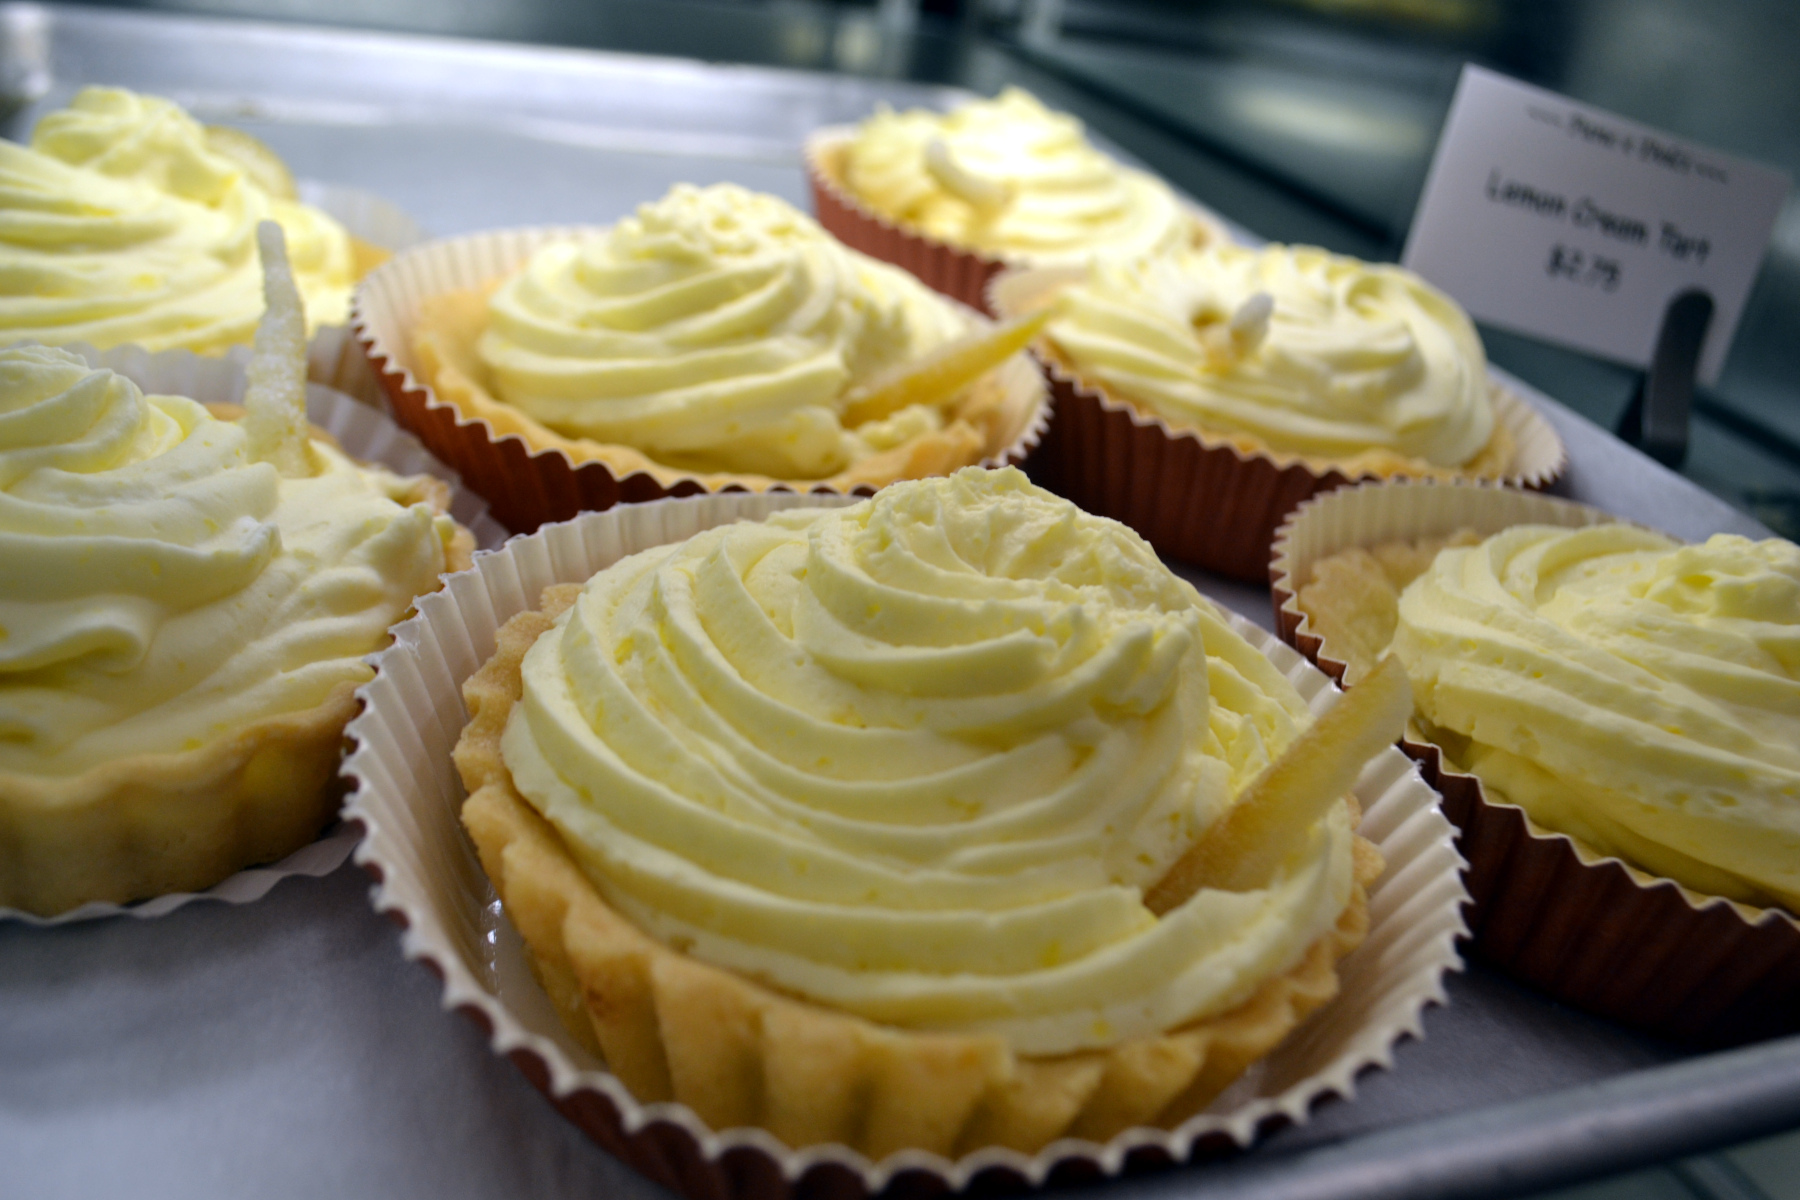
x=1656, y=420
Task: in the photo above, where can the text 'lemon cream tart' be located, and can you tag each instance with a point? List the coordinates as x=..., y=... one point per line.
x=127, y=221
x=1009, y=178
x=1290, y=351
x=1637, y=694
x=862, y=801
x=718, y=333
x=182, y=623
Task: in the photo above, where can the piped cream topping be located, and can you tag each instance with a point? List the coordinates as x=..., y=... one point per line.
x=1637, y=694
x=162, y=586
x=717, y=329
x=919, y=758
x=1010, y=178
x=1307, y=352
x=119, y=225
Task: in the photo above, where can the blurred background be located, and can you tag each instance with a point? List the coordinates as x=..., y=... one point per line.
x=1303, y=120
x=1307, y=121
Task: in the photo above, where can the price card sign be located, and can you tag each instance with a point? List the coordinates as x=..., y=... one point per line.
x=1560, y=221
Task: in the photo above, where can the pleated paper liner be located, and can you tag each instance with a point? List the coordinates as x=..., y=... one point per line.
x=528, y=486
x=406, y=794
x=960, y=274
x=1588, y=929
x=364, y=434
x=333, y=356
x=1196, y=496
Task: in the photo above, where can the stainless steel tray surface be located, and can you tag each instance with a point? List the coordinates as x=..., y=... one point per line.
x=286, y=1048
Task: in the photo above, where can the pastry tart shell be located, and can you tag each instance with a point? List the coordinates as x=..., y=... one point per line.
x=1212, y=499
x=153, y=825
x=1589, y=929
x=703, y=1117
x=959, y=273
x=418, y=318
x=144, y=826
x=738, y=1053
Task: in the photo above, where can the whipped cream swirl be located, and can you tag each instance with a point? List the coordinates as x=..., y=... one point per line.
x=162, y=588
x=1010, y=178
x=919, y=758
x=1348, y=357
x=1637, y=694
x=118, y=225
x=717, y=329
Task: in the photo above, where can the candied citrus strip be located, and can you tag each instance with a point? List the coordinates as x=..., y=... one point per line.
x=1243, y=851
x=275, y=384
x=945, y=372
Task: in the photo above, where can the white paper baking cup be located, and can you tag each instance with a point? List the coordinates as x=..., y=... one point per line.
x=364, y=434
x=405, y=792
x=528, y=485
x=1194, y=494
x=1590, y=929
x=333, y=356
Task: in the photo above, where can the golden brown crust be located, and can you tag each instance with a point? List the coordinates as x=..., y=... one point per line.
x=738, y=1053
x=992, y=415
x=1352, y=598
x=160, y=823
x=163, y=823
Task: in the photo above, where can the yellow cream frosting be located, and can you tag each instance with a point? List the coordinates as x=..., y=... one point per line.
x=1012, y=179
x=1307, y=352
x=161, y=586
x=1639, y=695
x=118, y=225
x=717, y=329
x=918, y=759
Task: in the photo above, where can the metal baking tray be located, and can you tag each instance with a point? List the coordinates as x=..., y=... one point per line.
x=285, y=1048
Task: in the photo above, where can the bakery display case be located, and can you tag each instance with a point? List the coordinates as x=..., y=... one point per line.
x=296, y=1044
